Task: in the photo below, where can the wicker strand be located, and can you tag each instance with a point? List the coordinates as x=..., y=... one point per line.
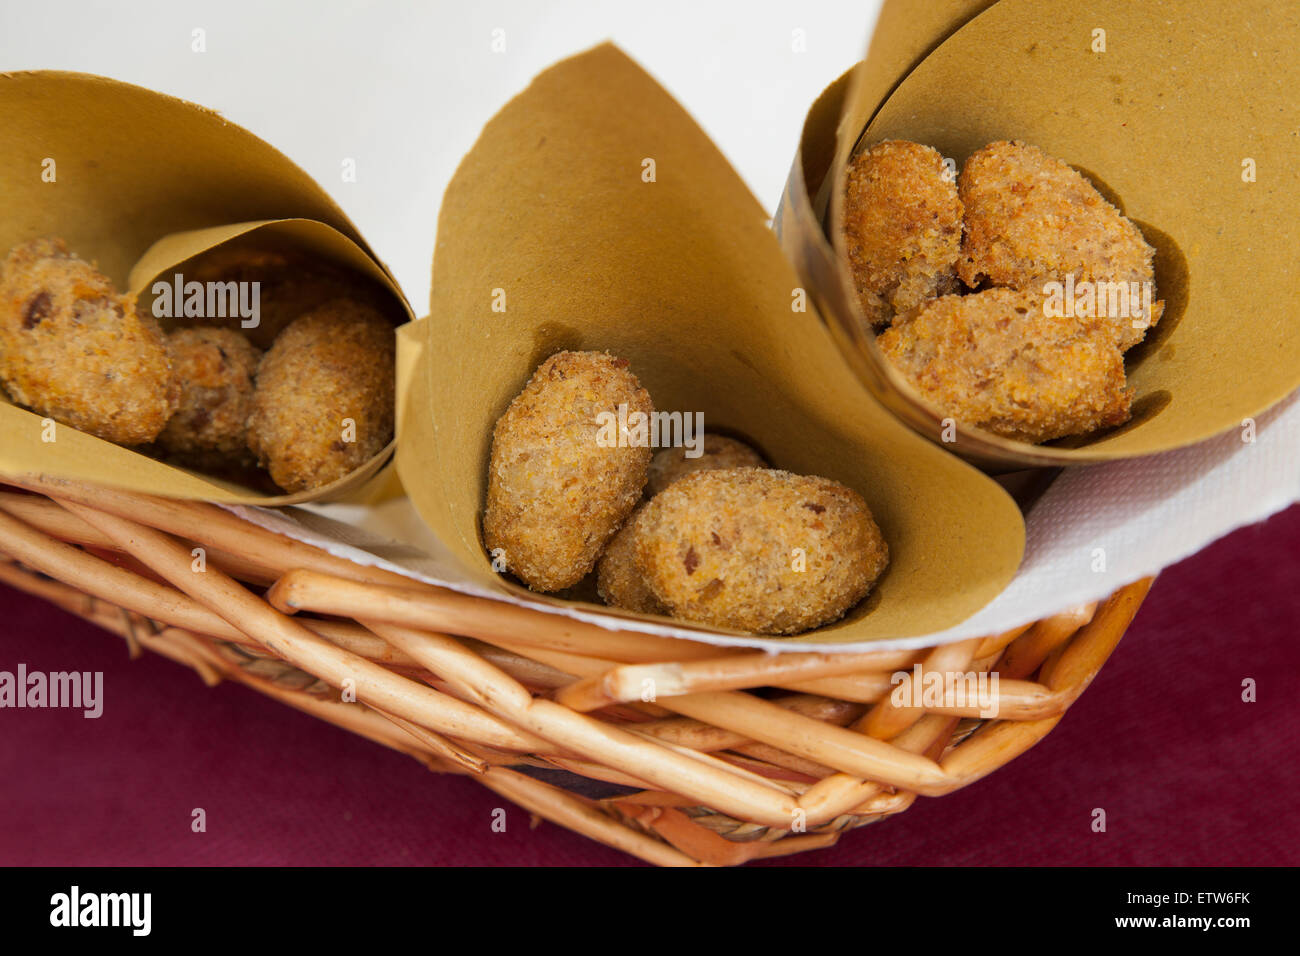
x=672, y=679
x=439, y=611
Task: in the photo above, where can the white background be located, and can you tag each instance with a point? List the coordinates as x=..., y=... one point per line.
x=403, y=87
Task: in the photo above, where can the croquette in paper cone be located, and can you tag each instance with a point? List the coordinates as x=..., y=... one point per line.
x=98, y=214
x=1113, y=94
x=620, y=229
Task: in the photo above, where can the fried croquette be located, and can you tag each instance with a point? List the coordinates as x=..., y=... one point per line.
x=1032, y=219
x=216, y=369
x=324, y=400
x=759, y=550
x=290, y=284
x=619, y=580
x=902, y=227
x=717, y=451
x=997, y=360
x=558, y=490
x=73, y=349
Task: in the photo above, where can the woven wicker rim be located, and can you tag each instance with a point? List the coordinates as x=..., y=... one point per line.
x=708, y=770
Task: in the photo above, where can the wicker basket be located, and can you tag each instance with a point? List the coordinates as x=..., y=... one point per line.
x=740, y=754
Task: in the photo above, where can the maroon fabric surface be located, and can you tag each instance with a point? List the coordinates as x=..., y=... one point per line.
x=1186, y=772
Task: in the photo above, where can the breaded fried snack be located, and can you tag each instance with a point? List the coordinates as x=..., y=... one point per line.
x=619, y=579
x=560, y=480
x=902, y=227
x=324, y=400
x=999, y=360
x=717, y=451
x=290, y=284
x=759, y=550
x=216, y=369
x=1031, y=219
x=73, y=349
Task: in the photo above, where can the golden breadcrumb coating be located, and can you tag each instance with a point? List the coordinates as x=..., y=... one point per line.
x=759, y=550
x=902, y=227
x=995, y=360
x=619, y=579
x=557, y=489
x=717, y=451
x=73, y=349
x=1032, y=219
x=291, y=284
x=324, y=401
x=216, y=369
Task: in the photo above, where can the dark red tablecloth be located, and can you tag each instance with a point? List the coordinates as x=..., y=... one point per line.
x=1186, y=771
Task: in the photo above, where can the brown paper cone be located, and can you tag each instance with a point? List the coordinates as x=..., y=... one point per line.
x=552, y=210
x=140, y=182
x=1169, y=121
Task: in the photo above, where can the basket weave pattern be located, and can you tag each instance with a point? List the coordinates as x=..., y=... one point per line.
x=737, y=754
